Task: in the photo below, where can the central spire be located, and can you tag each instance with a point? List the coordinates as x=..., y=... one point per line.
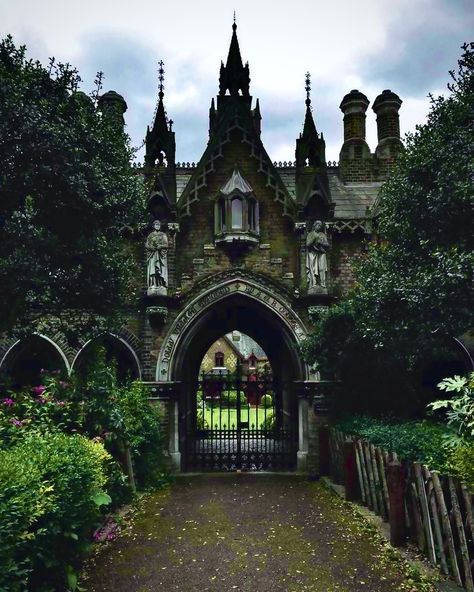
x=309, y=128
x=234, y=76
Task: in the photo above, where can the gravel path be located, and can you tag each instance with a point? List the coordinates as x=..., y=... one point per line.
x=249, y=533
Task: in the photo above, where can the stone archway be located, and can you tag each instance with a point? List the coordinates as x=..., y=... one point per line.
x=243, y=304
x=25, y=359
x=116, y=347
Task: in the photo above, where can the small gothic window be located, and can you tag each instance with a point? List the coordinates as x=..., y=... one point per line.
x=222, y=214
x=252, y=361
x=237, y=213
x=252, y=214
x=219, y=360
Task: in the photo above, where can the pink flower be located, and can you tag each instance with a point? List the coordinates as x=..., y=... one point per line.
x=16, y=422
x=8, y=402
x=39, y=390
x=63, y=384
x=60, y=403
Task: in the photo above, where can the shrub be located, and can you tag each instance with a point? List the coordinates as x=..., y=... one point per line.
x=201, y=423
x=50, y=490
x=269, y=423
x=45, y=408
x=141, y=431
x=229, y=398
x=461, y=463
x=416, y=441
x=267, y=401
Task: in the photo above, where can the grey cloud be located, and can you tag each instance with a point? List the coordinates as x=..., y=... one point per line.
x=418, y=57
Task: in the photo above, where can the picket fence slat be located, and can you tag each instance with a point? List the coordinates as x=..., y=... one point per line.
x=362, y=485
x=417, y=515
x=382, y=467
x=430, y=492
x=426, y=518
x=446, y=526
x=469, y=584
x=377, y=482
x=469, y=509
x=370, y=473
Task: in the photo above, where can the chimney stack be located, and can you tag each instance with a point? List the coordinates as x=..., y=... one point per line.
x=386, y=107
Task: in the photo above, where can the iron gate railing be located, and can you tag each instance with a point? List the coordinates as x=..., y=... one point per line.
x=238, y=423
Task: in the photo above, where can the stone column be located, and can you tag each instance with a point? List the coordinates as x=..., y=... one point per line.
x=300, y=230
x=175, y=453
x=302, y=454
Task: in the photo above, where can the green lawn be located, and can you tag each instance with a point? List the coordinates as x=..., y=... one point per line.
x=226, y=418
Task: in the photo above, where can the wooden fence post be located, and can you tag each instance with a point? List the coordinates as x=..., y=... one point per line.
x=351, y=484
x=324, y=451
x=396, y=495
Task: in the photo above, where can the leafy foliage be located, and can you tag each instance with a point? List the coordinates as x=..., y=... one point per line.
x=50, y=484
x=68, y=198
x=460, y=407
x=430, y=443
x=415, y=286
x=420, y=441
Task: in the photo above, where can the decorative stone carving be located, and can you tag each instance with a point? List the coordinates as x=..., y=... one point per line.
x=157, y=260
x=316, y=311
x=317, y=245
x=157, y=314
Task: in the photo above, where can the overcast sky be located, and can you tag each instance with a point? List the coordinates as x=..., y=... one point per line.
x=405, y=45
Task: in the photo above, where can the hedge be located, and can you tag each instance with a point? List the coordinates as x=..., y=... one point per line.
x=51, y=489
x=429, y=443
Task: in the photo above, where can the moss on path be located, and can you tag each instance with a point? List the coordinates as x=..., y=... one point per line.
x=249, y=532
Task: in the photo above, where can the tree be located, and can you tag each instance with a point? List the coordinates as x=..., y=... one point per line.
x=68, y=198
x=416, y=283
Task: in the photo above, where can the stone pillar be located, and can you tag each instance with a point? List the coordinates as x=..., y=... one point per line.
x=175, y=453
x=315, y=392
x=302, y=454
x=300, y=229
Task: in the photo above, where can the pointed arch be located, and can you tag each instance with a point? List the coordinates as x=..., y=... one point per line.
x=27, y=356
x=122, y=338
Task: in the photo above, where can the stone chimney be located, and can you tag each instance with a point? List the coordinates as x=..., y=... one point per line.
x=355, y=158
x=354, y=105
x=386, y=107
x=114, y=105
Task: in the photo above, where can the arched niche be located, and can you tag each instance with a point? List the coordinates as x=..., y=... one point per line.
x=117, y=350
x=25, y=362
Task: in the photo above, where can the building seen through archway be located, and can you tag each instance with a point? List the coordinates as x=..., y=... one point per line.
x=237, y=418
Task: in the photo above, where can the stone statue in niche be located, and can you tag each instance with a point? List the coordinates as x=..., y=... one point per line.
x=317, y=245
x=157, y=260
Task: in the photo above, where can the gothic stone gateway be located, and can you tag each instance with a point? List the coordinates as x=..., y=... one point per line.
x=238, y=242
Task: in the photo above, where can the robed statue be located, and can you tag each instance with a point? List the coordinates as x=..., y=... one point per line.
x=317, y=245
x=157, y=260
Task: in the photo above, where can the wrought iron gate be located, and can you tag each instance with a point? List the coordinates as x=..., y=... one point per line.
x=235, y=423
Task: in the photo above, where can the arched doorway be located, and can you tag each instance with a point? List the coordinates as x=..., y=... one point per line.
x=28, y=359
x=268, y=321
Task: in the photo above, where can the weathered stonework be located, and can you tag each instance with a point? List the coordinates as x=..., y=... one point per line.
x=244, y=267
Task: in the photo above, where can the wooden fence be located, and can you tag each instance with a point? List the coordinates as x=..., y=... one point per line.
x=436, y=512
